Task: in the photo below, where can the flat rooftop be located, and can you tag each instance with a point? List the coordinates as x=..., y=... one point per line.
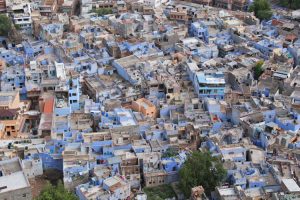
x=8, y=167
x=214, y=78
x=13, y=182
x=128, y=61
x=13, y=177
x=291, y=185
x=227, y=191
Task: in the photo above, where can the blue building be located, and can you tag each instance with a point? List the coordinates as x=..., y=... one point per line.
x=209, y=84
x=33, y=49
x=11, y=57
x=51, y=31
x=266, y=47
x=199, y=30
x=288, y=123
x=52, y=156
x=13, y=78
x=118, y=118
x=74, y=92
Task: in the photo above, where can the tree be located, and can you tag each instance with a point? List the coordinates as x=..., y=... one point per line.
x=262, y=9
x=102, y=11
x=170, y=152
x=5, y=25
x=258, y=70
x=160, y=192
x=291, y=4
x=18, y=27
x=201, y=169
x=58, y=192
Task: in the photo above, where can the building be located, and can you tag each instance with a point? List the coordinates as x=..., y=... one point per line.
x=119, y=188
x=74, y=91
x=2, y=5
x=32, y=166
x=21, y=14
x=209, y=84
x=13, y=181
x=145, y=106
x=178, y=14
x=11, y=113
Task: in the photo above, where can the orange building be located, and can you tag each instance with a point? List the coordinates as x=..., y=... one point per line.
x=11, y=113
x=145, y=106
x=2, y=64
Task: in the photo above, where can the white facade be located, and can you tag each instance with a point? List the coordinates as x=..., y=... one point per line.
x=153, y=3
x=32, y=167
x=23, y=19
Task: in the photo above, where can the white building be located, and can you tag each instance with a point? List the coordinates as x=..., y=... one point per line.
x=153, y=3
x=13, y=182
x=32, y=167
x=21, y=14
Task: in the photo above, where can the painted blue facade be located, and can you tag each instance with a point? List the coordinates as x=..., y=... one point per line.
x=102, y=147
x=211, y=85
x=74, y=93
x=223, y=38
x=288, y=125
x=266, y=47
x=170, y=165
x=51, y=163
x=118, y=118
x=269, y=115
x=200, y=30
x=63, y=111
x=32, y=49
x=122, y=72
x=55, y=29
x=239, y=179
x=11, y=57
x=256, y=183
x=13, y=76
x=238, y=154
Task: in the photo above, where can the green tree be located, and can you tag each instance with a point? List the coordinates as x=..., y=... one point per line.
x=258, y=70
x=5, y=25
x=58, y=192
x=170, y=152
x=102, y=11
x=201, y=169
x=262, y=9
x=291, y=4
x=159, y=192
x=18, y=27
